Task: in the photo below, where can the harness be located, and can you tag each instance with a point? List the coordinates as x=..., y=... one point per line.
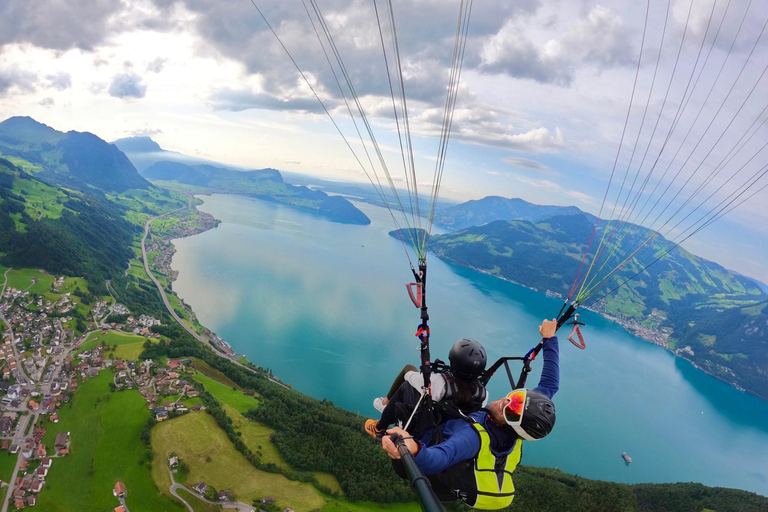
x=468, y=395
x=485, y=482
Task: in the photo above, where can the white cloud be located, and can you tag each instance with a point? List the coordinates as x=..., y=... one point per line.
x=530, y=164
x=581, y=196
x=538, y=183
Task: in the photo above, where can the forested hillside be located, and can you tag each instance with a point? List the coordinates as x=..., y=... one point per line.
x=707, y=314
x=60, y=231
x=72, y=204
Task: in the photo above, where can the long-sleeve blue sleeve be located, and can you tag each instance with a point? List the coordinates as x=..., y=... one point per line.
x=550, y=372
x=462, y=445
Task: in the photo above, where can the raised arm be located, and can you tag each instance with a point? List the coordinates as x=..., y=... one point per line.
x=550, y=373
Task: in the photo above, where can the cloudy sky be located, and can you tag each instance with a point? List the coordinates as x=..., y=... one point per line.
x=541, y=109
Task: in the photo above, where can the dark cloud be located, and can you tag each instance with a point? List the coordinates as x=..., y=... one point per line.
x=58, y=25
x=425, y=30
x=238, y=100
x=156, y=65
x=59, y=81
x=83, y=24
x=127, y=85
x=599, y=38
x=15, y=78
x=510, y=52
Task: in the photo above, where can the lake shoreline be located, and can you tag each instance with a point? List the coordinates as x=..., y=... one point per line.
x=632, y=326
x=259, y=303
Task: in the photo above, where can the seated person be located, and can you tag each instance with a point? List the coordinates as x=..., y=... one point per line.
x=476, y=460
x=459, y=387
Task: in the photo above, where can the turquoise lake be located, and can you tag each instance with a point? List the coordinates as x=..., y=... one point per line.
x=325, y=307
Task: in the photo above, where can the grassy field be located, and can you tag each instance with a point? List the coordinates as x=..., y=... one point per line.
x=129, y=346
x=41, y=199
x=197, y=504
x=106, y=447
x=137, y=199
x=342, y=505
x=21, y=279
x=329, y=481
x=226, y=395
x=111, y=338
x=7, y=463
x=129, y=351
x=204, y=368
x=200, y=443
x=256, y=435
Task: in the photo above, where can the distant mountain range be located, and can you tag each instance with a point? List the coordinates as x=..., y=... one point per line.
x=262, y=183
x=365, y=192
x=143, y=152
x=492, y=208
x=714, y=317
x=204, y=176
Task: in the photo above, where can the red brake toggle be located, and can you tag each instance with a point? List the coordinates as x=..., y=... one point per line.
x=416, y=299
x=577, y=331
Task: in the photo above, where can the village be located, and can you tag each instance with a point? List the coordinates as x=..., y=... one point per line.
x=33, y=353
x=40, y=371
x=42, y=364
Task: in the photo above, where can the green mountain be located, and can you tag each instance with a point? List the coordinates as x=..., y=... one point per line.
x=492, y=208
x=61, y=231
x=264, y=183
x=707, y=314
x=81, y=161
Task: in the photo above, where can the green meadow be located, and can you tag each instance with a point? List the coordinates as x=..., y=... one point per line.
x=106, y=447
x=226, y=395
x=198, y=441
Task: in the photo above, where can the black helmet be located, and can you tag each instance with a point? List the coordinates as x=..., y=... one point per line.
x=467, y=359
x=531, y=414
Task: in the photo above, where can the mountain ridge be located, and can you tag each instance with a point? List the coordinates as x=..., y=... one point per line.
x=696, y=308
x=79, y=160
x=492, y=208
x=264, y=184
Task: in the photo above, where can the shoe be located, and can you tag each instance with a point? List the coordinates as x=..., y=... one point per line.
x=378, y=404
x=370, y=428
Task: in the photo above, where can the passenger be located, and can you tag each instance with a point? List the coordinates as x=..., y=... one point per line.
x=458, y=387
x=476, y=460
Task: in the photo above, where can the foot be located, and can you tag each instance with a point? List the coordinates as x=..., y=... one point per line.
x=378, y=404
x=371, y=429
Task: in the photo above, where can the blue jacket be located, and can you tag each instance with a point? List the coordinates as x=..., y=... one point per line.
x=461, y=440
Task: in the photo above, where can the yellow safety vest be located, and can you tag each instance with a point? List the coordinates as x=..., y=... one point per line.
x=495, y=489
